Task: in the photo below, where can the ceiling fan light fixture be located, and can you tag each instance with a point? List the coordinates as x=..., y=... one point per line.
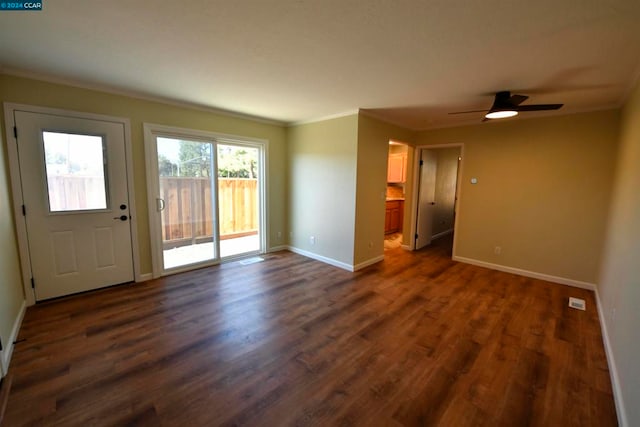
x=501, y=114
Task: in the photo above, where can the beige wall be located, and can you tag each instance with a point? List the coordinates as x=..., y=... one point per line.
x=619, y=287
x=322, y=160
x=542, y=195
x=138, y=111
x=337, y=185
x=373, y=150
x=11, y=296
x=445, y=194
x=398, y=148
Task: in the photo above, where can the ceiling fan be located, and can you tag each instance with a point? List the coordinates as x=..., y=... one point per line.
x=507, y=105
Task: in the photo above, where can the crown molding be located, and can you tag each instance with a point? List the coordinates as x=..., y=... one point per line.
x=324, y=118
x=50, y=78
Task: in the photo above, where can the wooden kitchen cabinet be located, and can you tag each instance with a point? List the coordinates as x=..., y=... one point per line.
x=393, y=216
x=397, y=168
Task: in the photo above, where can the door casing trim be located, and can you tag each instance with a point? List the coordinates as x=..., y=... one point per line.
x=16, y=185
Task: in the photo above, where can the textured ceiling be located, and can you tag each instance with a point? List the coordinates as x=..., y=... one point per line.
x=409, y=62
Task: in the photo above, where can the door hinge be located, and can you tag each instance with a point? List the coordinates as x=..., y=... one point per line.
x=15, y=132
x=0, y=344
x=416, y=236
x=24, y=211
x=33, y=283
x=421, y=162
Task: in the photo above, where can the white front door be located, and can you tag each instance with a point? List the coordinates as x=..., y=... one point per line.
x=76, y=203
x=426, y=198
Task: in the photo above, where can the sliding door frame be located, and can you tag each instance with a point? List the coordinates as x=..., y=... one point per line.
x=151, y=132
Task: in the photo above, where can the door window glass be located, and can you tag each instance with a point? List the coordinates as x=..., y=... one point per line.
x=75, y=167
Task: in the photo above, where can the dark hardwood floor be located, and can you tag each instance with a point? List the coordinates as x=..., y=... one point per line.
x=415, y=340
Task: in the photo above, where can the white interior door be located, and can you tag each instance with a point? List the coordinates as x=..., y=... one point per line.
x=426, y=198
x=74, y=184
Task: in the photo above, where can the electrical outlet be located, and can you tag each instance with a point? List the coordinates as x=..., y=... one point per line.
x=497, y=250
x=370, y=245
x=312, y=240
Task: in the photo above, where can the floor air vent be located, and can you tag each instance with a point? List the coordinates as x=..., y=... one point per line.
x=251, y=260
x=577, y=303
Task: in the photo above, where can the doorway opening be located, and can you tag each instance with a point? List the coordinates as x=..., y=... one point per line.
x=437, y=183
x=397, y=162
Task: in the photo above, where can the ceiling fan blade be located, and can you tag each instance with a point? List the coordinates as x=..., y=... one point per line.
x=517, y=99
x=538, y=107
x=472, y=111
x=504, y=101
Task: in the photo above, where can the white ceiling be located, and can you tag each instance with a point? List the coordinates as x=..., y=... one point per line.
x=407, y=61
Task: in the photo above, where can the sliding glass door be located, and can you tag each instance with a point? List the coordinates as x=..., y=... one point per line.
x=187, y=194
x=239, y=199
x=206, y=198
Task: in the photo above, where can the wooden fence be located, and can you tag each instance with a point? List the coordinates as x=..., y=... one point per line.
x=187, y=217
x=70, y=193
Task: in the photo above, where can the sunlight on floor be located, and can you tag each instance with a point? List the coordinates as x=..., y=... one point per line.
x=184, y=255
x=392, y=241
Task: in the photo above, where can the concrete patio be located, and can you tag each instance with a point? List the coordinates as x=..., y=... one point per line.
x=185, y=255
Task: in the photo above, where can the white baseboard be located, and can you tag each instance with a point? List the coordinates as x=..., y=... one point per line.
x=278, y=248
x=8, y=350
x=442, y=233
x=613, y=370
x=527, y=273
x=406, y=247
x=367, y=263
x=144, y=277
x=335, y=263
x=321, y=258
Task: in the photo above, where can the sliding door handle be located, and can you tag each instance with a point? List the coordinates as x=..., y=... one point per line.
x=160, y=204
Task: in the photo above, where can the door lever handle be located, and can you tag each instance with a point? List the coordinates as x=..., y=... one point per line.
x=121, y=217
